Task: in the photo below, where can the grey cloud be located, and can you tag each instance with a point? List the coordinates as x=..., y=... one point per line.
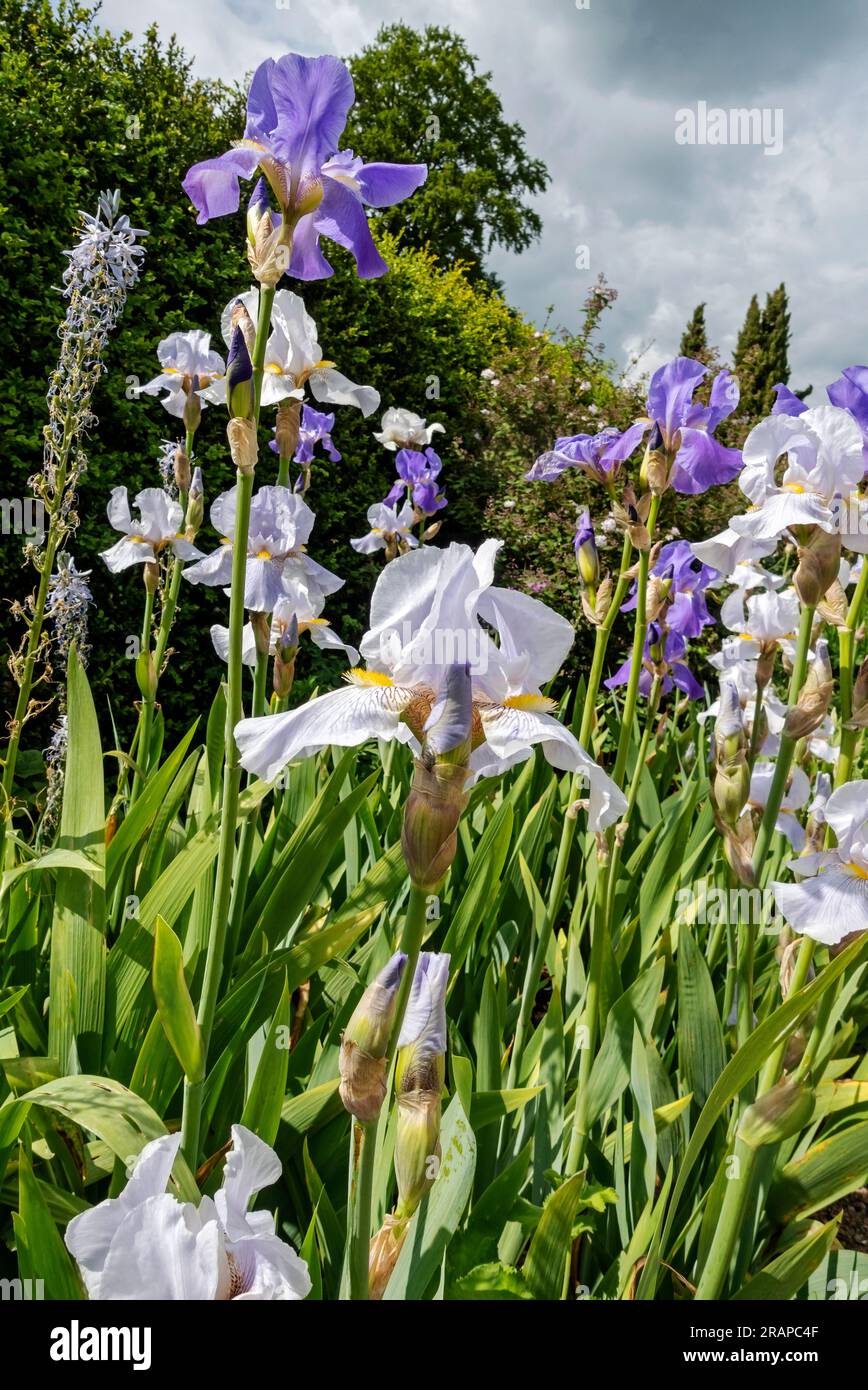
x=597, y=91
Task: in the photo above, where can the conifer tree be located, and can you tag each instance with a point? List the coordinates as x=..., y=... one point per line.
x=694, y=339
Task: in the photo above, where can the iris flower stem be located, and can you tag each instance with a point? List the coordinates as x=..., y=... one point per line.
x=363, y=1135
x=142, y=737
x=245, y=840
x=639, y=634
x=847, y=664
x=579, y=1135
x=363, y=1152
x=633, y=794
x=753, y=751
x=788, y=745
x=568, y=830
x=748, y=931
x=739, y=1189
x=214, y=963
x=601, y=642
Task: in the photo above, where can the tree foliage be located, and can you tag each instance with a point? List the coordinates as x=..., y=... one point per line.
x=420, y=97
x=82, y=110
x=694, y=339
x=761, y=357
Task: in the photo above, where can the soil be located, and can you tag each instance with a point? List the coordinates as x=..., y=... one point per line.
x=853, y=1231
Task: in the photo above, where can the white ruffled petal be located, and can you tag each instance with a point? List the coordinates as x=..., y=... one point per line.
x=127, y=552
x=344, y=718
x=163, y=1251
x=251, y=1165
x=215, y=569
x=510, y=731
x=826, y=908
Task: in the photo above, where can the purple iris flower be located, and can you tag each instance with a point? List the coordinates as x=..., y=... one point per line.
x=415, y=467
x=598, y=455
x=689, y=613
x=672, y=648
x=296, y=111
x=786, y=402
x=315, y=428
x=687, y=430
x=428, y=499
x=417, y=475
x=850, y=392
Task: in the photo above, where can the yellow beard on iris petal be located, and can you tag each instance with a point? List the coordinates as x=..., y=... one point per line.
x=358, y=676
x=539, y=704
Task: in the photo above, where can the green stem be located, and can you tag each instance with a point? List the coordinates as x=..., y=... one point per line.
x=847, y=665
x=633, y=793
x=788, y=746
x=146, y=709
x=141, y=738
x=248, y=829
x=639, y=634
x=734, y=1209
x=214, y=962
x=601, y=642
x=363, y=1136
x=756, y=726
x=34, y=641
x=579, y=1135
x=595, y=675
x=363, y=1139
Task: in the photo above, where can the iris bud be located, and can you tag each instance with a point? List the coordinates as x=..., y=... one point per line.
x=285, y=652
x=182, y=470
x=239, y=377
x=146, y=675
x=419, y=1075
x=192, y=406
x=587, y=556
x=429, y=835
x=731, y=784
x=195, y=503
x=363, y=1062
x=257, y=207
x=656, y=644
x=655, y=470
x=815, y=696
x=859, y=718
x=819, y=563
x=417, y=1147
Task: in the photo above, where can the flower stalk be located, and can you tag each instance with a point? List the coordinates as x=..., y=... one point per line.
x=193, y=1092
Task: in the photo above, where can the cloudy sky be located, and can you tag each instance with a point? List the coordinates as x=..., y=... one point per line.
x=597, y=85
